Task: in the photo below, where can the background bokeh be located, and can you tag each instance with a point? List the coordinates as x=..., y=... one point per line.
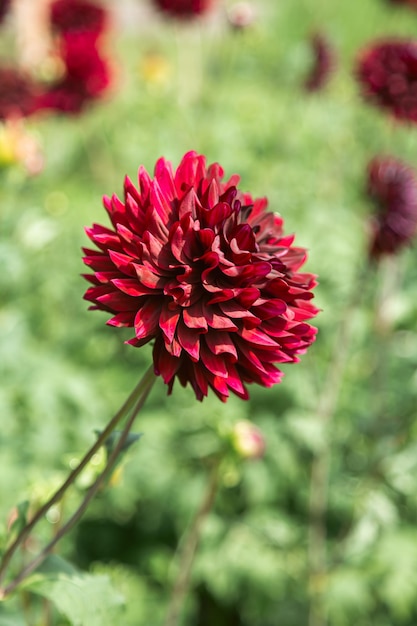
x=237, y=97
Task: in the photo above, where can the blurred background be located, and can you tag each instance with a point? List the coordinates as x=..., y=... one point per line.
x=234, y=90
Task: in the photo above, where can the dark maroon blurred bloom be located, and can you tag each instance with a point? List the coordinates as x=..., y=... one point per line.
x=392, y=185
x=79, y=16
x=184, y=9
x=4, y=7
x=387, y=73
x=206, y=272
x=410, y=3
x=324, y=61
x=87, y=75
x=17, y=94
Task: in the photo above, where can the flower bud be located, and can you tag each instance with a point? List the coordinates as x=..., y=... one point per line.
x=248, y=440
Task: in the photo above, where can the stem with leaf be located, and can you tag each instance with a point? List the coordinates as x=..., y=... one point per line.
x=134, y=403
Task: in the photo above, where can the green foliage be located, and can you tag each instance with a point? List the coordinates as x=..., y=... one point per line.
x=64, y=373
x=85, y=599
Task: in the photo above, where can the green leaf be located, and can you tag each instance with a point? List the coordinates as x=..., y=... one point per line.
x=85, y=599
x=21, y=519
x=113, y=439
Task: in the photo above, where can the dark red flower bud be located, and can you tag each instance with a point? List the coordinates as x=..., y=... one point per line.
x=324, y=62
x=392, y=185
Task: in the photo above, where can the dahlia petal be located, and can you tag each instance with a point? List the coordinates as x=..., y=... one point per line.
x=188, y=204
x=189, y=340
x=212, y=193
x=267, y=309
x=106, y=277
x=173, y=347
x=193, y=317
x=147, y=278
x=218, y=321
x=256, y=336
x=217, y=215
x=234, y=382
x=144, y=183
x=147, y=318
x=168, y=321
x=190, y=171
x=160, y=203
x=206, y=237
x=214, y=363
x=164, y=175
x=235, y=310
x=123, y=262
x=255, y=271
x=131, y=287
x=220, y=342
x=130, y=189
x=103, y=237
x=125, y=319
x=116, y=301
x=166, y=365
x=219, y=386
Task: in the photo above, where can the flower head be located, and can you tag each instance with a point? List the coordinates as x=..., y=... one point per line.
x=184, y=9
x=17, y=94
x=80, y=16
x=392, y=185
x=86, y=76
x=324, y=60
x=205, y=271
x=387, y=73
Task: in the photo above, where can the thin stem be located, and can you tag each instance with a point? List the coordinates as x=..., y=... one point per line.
x=74, y=474
x=147, y=381
x=320, y=468
x=188, y=550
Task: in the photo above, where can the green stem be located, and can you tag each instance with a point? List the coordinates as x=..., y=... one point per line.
x=188, y=550
x=136, y=393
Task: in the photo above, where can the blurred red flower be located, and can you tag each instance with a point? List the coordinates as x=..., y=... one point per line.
x=17, y=94
x=411, y=3
x=205, y=271
x=184, y=9
x=392, y=185
x=4, y=7
x=387, y=73
x=80, y=16
x=87, y=75
x=324, y=61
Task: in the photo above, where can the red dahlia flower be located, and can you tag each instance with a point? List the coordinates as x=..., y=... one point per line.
x=17, y=94
x=86, y=77
x=206, y=272
x=387, y=73
x=324, y=61
x=80, y=16
x=393, y=187
x=184, y=9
